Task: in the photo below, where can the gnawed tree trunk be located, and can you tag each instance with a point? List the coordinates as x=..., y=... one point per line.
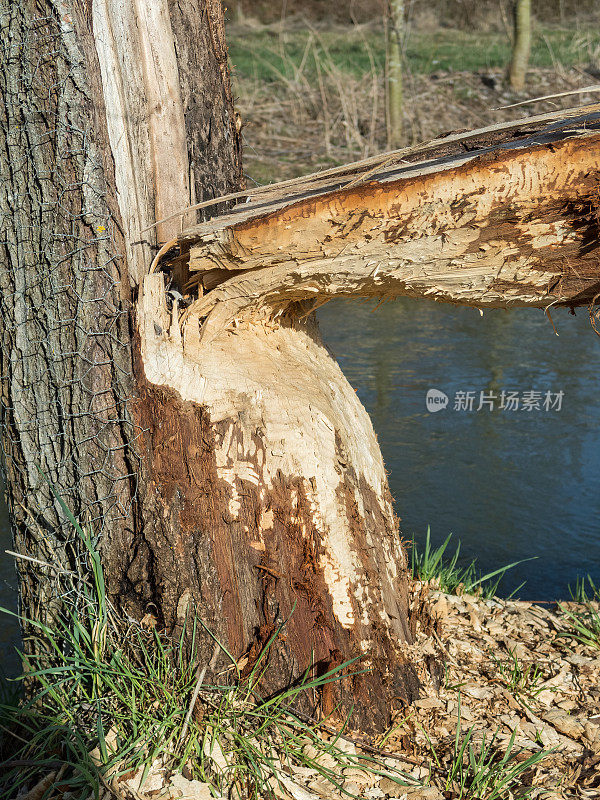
x=215, y=449
x=506, y=223
x=308, y=504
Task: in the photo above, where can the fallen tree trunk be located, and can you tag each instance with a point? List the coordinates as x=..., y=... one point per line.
x=225, y=320
x=510, y=222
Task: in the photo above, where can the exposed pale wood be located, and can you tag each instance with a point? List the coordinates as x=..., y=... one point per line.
x=145, y=118
x=443, y=153
x=284, y=381
x=515, y=223
x=166, y=119
x=305, y=488
x=122, y=84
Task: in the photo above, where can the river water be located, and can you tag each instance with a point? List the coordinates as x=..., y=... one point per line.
x=510, y=483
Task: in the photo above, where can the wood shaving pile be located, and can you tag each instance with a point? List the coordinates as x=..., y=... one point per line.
x=497, y=668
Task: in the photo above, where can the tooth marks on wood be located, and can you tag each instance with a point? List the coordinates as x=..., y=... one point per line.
x=513, y=225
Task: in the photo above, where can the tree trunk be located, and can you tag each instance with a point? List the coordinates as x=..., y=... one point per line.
x=511, y=221
x=521, y=44
x=297, y=470
x=186, y=409
x=243, y=506
x=393, y=80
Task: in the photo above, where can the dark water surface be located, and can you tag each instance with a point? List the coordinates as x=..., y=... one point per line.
x=509, y=484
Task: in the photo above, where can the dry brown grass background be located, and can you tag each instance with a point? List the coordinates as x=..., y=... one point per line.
x=310, y=90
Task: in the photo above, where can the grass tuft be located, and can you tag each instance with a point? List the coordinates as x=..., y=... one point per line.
x=522, y=680
x=103, y=700
x=581, y=593
x=582, y=617
x=429, y=565
x=484, y=770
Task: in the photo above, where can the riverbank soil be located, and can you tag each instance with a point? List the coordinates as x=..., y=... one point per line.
x=496, y=674
x=509, y=671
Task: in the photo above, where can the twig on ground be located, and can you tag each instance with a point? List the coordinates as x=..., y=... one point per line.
x=196, y=692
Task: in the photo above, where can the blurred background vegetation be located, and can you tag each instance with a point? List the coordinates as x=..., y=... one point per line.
x=309, y=75
x=462, y=14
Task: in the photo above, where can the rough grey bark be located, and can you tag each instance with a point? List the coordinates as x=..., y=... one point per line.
x=66, y=306
x=202, y=58
x=91, y=153
x=65, y=326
